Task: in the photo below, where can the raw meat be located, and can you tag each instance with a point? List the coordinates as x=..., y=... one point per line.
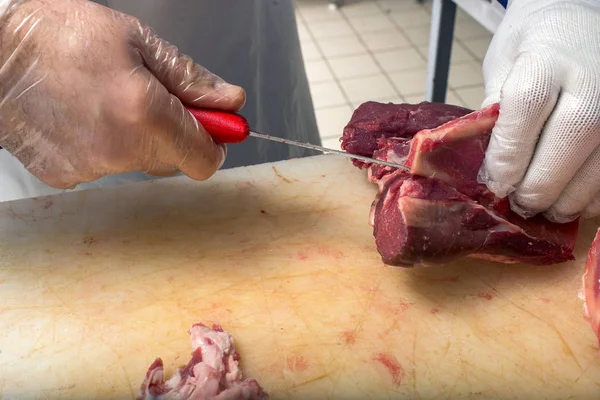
x=373, y=121
x=591, y=286
x=212, y=373
x=438, y=212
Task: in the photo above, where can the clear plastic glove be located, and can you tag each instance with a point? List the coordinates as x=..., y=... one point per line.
x=543, y=65
x=86, y=91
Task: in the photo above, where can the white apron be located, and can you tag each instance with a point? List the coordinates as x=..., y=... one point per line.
x=251, y=43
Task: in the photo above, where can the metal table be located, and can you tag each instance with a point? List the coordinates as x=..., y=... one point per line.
x=488, y=13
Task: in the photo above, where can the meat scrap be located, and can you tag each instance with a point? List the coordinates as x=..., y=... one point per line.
x=438, y=212
x=212, y=373
x=591, y=286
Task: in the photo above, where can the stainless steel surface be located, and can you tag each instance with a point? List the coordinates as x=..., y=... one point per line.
x=328, y=151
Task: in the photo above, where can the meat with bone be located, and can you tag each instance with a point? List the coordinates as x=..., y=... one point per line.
x=438, y=212
x=591, y=286
x=212, y=373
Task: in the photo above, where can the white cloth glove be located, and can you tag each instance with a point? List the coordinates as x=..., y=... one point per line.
x=543, y=66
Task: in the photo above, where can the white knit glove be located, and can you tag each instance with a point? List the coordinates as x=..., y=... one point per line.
x=543, y=65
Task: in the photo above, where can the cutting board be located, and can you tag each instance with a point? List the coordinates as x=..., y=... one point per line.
x=94, y=285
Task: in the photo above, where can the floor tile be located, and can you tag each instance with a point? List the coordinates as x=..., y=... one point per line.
x=317, y=11
x=407, y=19
x=372, y=23
x=468, y=74
x=472, y=97
x=451, y=98
x=326, y=94
x=351, y=54
x=415, y=98
x=478, y=47
x=310, y=52
x=364, y=89
x=342, y=46
x=330, y=29
x=459, y=53
x=462, y=15
x=361, y=8
x=332, y=143
x=385, y=40
x=392, y=99
x=318, y=71
x=354, y=66
x=303, y=33
x=331, y=121
x=410, y=82
x=400, y=60
x=418, y=35
x=470, y=30
x=399, y=5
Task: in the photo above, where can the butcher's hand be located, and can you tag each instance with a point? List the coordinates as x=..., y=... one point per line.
x=543, y=66
x=86, y=91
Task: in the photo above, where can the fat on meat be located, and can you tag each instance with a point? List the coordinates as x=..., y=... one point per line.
x=591, y=286
x=438, y=212
x=212, y=373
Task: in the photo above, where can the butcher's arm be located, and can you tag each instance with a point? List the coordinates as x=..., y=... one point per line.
x=86, y=91
x=542, y=66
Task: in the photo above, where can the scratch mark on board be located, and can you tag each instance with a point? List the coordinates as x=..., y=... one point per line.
x=281, y=176
x=315, y=379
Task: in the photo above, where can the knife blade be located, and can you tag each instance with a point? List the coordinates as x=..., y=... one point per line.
x=229, y=128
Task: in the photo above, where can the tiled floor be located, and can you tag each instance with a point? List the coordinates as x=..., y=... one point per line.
x=377, y=50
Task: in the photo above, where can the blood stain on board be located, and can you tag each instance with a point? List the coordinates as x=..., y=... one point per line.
x=327, y=251
x=544, y=300
x=302, y=256
x=403, y=307
x=297, y=363
x=47, y=204
x=485, y=295
x=435, y=310
x=392, y=365
x=349, y=337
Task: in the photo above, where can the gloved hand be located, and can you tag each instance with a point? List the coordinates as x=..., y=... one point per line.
x=543, y=65
x=86, y=91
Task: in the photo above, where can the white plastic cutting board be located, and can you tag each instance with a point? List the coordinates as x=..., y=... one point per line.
x=94, y=285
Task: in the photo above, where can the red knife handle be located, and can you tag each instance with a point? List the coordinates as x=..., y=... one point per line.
x=224, y=127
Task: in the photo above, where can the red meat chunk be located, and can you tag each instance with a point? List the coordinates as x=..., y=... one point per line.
x=438, y=212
